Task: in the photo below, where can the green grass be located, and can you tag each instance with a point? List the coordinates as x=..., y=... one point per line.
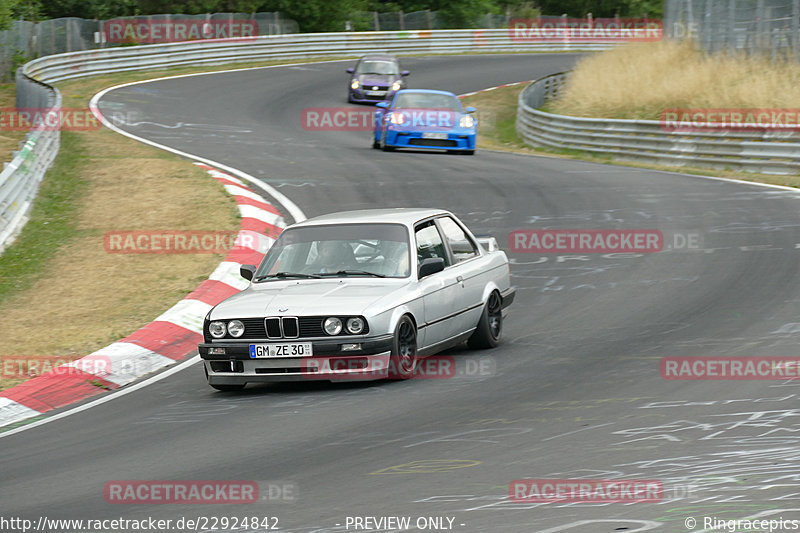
x=52, y=220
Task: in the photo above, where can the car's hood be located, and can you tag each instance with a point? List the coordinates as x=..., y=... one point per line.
x=376, y=79
x=342, y=296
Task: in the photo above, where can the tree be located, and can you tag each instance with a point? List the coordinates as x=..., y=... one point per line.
x=317, y=15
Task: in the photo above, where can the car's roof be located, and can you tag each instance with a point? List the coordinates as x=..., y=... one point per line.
x=398, y=215
x=378, y=57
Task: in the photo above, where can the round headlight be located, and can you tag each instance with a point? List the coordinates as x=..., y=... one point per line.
x=332, y=325
x=217, y=329
x=354, y=84
x=396, y=86
x=355, y=325
x=466, y=121
x=236, y=328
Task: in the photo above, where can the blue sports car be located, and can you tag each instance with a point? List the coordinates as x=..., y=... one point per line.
x=422, y=118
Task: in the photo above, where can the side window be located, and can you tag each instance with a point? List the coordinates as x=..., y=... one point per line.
x=429, y=242
x=461, y=246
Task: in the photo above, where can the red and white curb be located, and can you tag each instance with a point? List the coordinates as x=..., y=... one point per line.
x=170, y=338
x=493, y=88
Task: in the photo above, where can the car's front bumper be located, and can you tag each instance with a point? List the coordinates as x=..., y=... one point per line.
x=328, y=362
x=507, y=297
x=360, y=97
x=455, y=140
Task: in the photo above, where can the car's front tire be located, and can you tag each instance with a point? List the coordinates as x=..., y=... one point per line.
x=403, y=360
x=490, y=325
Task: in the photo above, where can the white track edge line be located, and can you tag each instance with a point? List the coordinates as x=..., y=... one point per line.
x=122, y=391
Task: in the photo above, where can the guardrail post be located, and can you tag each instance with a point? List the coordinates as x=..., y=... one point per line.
x=705, y=27
x=796, y=29
x=732, y=26
x=760, y=38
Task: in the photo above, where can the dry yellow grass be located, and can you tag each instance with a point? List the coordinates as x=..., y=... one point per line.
x=639, y=80
x=500, y=134
x=85, y=298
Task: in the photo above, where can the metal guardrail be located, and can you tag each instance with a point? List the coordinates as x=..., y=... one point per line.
x=20, y=180
x=296, y=46
x=766, y=151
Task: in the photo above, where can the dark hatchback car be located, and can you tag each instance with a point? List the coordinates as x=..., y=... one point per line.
x=376, y=77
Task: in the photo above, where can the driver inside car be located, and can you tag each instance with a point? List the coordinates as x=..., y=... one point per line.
x=334, y=256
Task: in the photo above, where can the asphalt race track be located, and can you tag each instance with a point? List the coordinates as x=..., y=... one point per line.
x=574, y=392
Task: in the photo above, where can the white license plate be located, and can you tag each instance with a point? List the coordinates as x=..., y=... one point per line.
x=433, y=135
x=288, y=349
x=375, y=93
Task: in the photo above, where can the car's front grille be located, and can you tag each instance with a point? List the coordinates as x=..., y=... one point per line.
x=292, y=327
x=440, y=143
x=281, y=327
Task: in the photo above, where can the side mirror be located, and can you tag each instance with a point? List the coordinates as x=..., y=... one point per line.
x=429, y=266
x=470, y=109
x=350, y=70
x=384, y=105
x=405, y=73
x=247, y=272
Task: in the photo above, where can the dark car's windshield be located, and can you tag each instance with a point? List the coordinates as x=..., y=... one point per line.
x=377, y=67
x=345, y=250
x=416, y=100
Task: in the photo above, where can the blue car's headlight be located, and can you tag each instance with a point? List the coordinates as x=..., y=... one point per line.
x=466, y=121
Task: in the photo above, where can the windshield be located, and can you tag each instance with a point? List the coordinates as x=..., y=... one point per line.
x=346, y=250
x=415, y=100
x=377, y=67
